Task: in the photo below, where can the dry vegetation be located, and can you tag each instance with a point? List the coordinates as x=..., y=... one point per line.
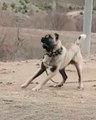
x=39, y=14
x=19, y=20
x=28, y=45
x=18, y=17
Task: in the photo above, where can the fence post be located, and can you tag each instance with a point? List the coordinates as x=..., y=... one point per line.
x=87, y=24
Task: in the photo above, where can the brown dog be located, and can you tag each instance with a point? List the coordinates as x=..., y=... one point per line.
x=57, y=57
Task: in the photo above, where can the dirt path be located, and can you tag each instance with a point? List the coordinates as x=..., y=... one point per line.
x=66, y=103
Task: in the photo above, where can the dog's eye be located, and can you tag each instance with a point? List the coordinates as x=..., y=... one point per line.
x=50, y=36
x=56, y=36
x=79, y=37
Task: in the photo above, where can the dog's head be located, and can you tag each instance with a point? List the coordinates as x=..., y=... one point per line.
x=50, y=41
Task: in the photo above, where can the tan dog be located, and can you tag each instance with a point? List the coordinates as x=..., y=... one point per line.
x=57, y=57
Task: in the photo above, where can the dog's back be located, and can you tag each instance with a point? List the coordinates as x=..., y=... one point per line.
x=72, y=50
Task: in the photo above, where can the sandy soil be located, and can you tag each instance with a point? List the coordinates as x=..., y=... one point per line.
x=65, y=103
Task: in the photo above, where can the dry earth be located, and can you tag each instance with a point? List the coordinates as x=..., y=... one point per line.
x=65, y=103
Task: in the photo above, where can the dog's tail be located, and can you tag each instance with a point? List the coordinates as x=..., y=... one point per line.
x=80, y=38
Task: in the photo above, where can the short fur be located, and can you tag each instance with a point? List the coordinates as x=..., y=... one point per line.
x=57, y=61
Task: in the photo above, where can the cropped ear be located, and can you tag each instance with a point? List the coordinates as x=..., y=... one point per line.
x=56, y=36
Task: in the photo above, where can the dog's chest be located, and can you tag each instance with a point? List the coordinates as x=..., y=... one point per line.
x=52, y=61
x=55, y=60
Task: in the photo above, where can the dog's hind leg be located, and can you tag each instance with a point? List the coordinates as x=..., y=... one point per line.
x=42, y=69
x=78, y=62
x=79, y=71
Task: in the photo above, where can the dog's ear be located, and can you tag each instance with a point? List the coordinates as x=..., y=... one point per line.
x=56, y=36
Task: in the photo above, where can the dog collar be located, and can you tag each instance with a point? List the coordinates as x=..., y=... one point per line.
x=55, y=53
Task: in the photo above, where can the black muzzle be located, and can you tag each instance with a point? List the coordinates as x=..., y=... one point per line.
x=47, y=44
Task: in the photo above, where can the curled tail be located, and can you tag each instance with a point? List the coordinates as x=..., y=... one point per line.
x=80, y=38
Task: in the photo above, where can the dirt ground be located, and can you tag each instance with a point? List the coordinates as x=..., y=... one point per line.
x=65, y=103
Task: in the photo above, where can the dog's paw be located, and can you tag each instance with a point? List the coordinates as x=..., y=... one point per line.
x=24, y=85
x=37, y=88
x=58, y=85
x=81, y=87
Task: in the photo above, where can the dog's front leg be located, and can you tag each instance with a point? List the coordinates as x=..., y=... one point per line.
x=39, y=86
x=42, y=69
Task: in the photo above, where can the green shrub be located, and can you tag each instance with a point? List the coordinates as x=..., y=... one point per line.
x=27, y=1
x=13, y=5
x=22, y=7
x=4, y=6
x=22, y=2
x=24, y=11
x=18, y=9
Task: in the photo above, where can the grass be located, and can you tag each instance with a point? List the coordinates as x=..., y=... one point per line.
x=41, y=4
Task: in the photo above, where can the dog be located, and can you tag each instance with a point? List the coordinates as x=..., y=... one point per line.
x=57, y=58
